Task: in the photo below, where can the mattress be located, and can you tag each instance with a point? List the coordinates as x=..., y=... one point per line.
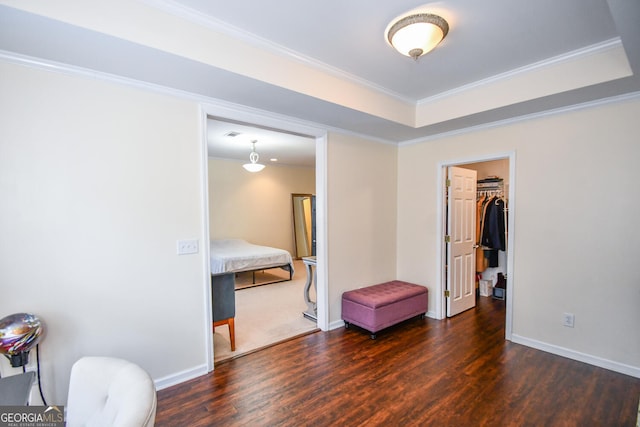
x=236, y=255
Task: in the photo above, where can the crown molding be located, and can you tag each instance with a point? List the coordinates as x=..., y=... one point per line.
x=184, y=12
x=506, y=122
x=607, y=45
x=234, y=108
x=180, y=11
x=591, y=65
x=221, y=106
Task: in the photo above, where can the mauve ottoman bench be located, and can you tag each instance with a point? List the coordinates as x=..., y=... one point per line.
x=379, y=306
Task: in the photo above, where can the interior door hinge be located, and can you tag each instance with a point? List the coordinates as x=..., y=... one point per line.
x=447, y=239
x=446, y=294
x=448, y=182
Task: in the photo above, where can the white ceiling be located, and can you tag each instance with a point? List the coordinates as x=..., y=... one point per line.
x=232, y=140
x=486, y=38
x=328, y=63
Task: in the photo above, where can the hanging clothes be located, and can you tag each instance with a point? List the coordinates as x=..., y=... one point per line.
x=489, y=254
x=490, y=222
x=493, y=232
x=481, y=261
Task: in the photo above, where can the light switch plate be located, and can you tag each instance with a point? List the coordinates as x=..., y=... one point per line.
x=186, y=247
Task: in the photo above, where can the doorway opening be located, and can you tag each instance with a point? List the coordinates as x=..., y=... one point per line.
x=266, y=186
x=475, y=280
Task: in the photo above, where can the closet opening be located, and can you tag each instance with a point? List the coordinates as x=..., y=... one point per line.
x=477, y=228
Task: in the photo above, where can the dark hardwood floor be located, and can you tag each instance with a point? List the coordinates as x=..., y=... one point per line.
x=424, y=372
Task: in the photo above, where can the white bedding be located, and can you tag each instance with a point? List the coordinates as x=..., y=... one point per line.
x=236, y=255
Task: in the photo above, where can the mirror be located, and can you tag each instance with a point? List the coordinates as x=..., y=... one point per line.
x=304, y=224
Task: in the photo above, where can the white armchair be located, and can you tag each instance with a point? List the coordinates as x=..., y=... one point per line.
x=106, y=391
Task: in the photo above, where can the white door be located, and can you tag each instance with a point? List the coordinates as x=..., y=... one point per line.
x=461, y=231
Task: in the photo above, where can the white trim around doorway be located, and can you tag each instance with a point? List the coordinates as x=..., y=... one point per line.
x=440, y=231
x=273, y=121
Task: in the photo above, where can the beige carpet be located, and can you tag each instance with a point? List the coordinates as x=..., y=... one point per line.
x=266, y=315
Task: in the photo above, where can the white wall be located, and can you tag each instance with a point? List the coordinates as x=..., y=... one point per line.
x=576, y=211
x=361, y=191
x=99, y=180
x=256, y=207
x=97, y=183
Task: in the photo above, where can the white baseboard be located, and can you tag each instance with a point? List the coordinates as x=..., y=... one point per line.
x=634, y=371
x=180, y=377
x=622, y=368
x=336, y=324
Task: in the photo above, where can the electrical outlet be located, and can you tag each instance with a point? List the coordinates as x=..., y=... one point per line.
x=568, y=319
x=186, y=247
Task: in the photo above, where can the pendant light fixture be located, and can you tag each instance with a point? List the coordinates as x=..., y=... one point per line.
x=418, y=34
x=253, y=166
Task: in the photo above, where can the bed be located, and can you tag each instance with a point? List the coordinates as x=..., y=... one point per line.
x=237, y=255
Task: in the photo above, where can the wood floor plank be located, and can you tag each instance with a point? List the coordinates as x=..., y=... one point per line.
x=454, y=372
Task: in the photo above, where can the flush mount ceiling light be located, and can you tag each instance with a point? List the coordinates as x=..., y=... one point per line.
x=254, y=166
x=415, y=35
